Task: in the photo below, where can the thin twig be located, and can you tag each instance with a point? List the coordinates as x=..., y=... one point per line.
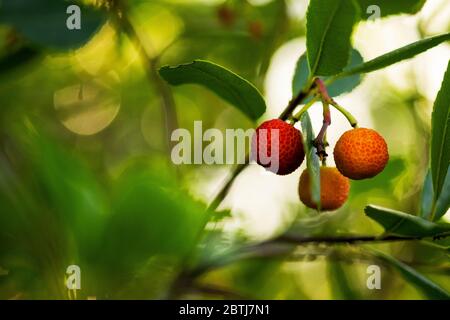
x=151, y=70
x=350, y=239
x=319, y=142
x=285, y=244
x=226, y=187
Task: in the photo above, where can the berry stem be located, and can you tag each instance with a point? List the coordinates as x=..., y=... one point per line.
x=351, y=119
x=319, y=143
x=325, y=96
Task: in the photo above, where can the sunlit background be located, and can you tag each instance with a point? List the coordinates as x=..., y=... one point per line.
x=83, y=131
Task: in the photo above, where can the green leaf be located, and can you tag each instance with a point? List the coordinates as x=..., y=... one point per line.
x=442, y=203
x=337, y=87
x=312, y=160
x=426, y=204
x=389, y=7
x=430, y=289
x=44, y=22
x=226, y=84
x=329, y=25
x=340, y=281
x=397, y=55
x=386, y=180
x=150, y=216
x=403, y=224
x=17, y=58
x=70, y=190
x=48, y=188
x=440, y=135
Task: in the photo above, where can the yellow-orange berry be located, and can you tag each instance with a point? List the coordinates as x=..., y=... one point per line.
x=361, y=153
x=334, y=189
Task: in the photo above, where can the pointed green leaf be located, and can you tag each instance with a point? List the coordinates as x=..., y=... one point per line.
x=389, y=7
x=397, y=55
x=442, y=203
x=329, y=25
x=440, y=135
x=426, y=204
x=226, y=84
x=403, y=224
x=44, y=22
x=430, y=289
x=312, y=160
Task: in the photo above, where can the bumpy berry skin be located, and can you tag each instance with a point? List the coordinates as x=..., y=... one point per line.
x=334, y=189
x=361, y=153
x=290, y=146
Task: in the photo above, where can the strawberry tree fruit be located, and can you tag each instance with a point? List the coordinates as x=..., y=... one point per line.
x=277, y=146
x=334, y=189
x=361, y=153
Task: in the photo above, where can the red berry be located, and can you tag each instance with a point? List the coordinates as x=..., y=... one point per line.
x=226, y=15
x=289, y=146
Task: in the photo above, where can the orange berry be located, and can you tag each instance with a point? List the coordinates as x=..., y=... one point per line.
x=361, y=153
x=334, y=189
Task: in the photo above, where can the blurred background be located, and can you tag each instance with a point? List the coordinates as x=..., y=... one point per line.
x=86, y=176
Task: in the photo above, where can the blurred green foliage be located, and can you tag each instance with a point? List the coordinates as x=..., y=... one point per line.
x=112, y=202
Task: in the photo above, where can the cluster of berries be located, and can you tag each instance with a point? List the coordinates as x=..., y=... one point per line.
x=360, y=153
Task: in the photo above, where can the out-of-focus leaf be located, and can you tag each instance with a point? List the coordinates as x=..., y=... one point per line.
x=151, y=217
x=54, y=212
x=440, y=135
x=389, y=7
x=44, y=22
x=329, y=25
x=430, y=289
x=69, y=190
x=226, y=84
x=397, y=55
x=336, y=88
x=17, y=58
x=312, y=160
x=386, y=180
x=220, y=215
x=442, y=203
x=403, y=224
x=340, y=282
x=427, y=197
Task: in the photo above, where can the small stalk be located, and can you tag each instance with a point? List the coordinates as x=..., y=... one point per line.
x=351, y=119
x=319, y=142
